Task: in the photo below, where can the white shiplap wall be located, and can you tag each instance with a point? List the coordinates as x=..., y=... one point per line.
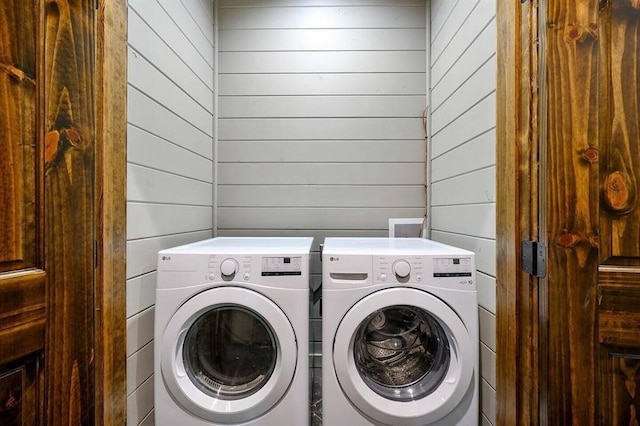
x=319, y=117
x=462, y=153
x=170, y=161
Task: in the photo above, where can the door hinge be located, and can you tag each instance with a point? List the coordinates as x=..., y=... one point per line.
x=534, y=258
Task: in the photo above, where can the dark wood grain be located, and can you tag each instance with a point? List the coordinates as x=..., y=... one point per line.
x=572, y=209
x=18, y=24
x=517, y=211
x=69, y=127
x=111, y=386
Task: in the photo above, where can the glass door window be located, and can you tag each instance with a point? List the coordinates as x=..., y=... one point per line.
x=230, y=352
x=401, y=352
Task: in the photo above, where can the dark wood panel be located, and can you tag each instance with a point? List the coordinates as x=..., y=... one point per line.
x=572, y=208
x=22, y=314
x=19, y=397
x=620, y=173
x=18, y=200
x=111, y=381
x=69, y=137
x=620, y=391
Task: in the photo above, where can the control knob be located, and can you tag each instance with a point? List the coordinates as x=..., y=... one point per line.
x=401, y=268
x=228, y=268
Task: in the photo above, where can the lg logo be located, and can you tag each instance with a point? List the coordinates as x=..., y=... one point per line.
x=334, y=259
x=166, y=257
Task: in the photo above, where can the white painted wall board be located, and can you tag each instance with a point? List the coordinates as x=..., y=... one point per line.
x=145, y=77
x=147, y=114
x=318, y=235
x=487, y=328
x=322, y=17
x=147, y=44
x=157, y=18
x=150, y=220
x=322, y=84
x=488, y=401
x=140, y=403
x=320, y=128
x=486, y=291
x=315, y=3
x=155, y=186
x=139, y=330
x=311, y=218
x=320, y=106
x=149, y=420
x=320, y=174
x=320, y=196
x=322, y=39
x=484, y=248
x=484, y=421
x=142, y=255
x=141, y=293
x=478, y=220
x=474, y=122
x=488, y=365
x=478, y=186
x=321, y=62
x=139, y=367
x=477, y=87
x=196, y=25
x=201, y=12
x=322, y=151
x=462, y=71
x=456, y=21
x=146, y=149
x=477, y=153
x=440, y=12
x=469, y=39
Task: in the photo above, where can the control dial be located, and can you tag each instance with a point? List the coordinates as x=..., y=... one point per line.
x=228, y=267
x=401, y=268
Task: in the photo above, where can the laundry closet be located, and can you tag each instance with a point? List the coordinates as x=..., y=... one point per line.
x=307, y=118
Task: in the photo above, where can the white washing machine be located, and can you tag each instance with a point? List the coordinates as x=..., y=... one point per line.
x=231, y=333
x=399, y=333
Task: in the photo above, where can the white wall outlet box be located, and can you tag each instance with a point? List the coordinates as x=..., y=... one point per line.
x=407, y=228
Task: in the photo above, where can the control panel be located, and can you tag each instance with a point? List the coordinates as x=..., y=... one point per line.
x=449, y=272
x=241, y=268
x=281, y=266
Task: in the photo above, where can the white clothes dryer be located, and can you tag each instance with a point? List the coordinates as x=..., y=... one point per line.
x=400, y=333
x=231, y=333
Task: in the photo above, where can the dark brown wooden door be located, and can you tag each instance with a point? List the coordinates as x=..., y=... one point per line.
x=592, y=215
x=47, y=178
x=569, y=96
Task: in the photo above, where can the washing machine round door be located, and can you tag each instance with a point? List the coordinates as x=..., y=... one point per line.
x=402, y=355
x=228, y=355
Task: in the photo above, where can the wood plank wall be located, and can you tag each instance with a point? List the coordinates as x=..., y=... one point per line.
x=319, y=118
x=170, y=162
x=462, y=151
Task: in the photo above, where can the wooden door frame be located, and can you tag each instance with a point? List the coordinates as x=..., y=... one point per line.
x=518, y=382
x=111, y=150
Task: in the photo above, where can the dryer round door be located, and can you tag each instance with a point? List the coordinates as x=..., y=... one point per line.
x=402, y=355
x=228, y=355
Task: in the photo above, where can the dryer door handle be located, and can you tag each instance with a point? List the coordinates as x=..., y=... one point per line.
x=349, y=276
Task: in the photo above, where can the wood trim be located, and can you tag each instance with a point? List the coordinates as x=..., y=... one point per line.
x=111, y=135
x=517, y=362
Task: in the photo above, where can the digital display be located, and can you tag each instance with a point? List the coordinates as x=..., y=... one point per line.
x=452, y=267
x=281, y=266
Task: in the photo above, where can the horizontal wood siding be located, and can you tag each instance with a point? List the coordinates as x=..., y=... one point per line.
x=462, y=153
x=319, y=112
x=170, y=162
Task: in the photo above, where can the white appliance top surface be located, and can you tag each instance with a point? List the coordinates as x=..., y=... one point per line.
x=247, y=245
x=381, y=246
